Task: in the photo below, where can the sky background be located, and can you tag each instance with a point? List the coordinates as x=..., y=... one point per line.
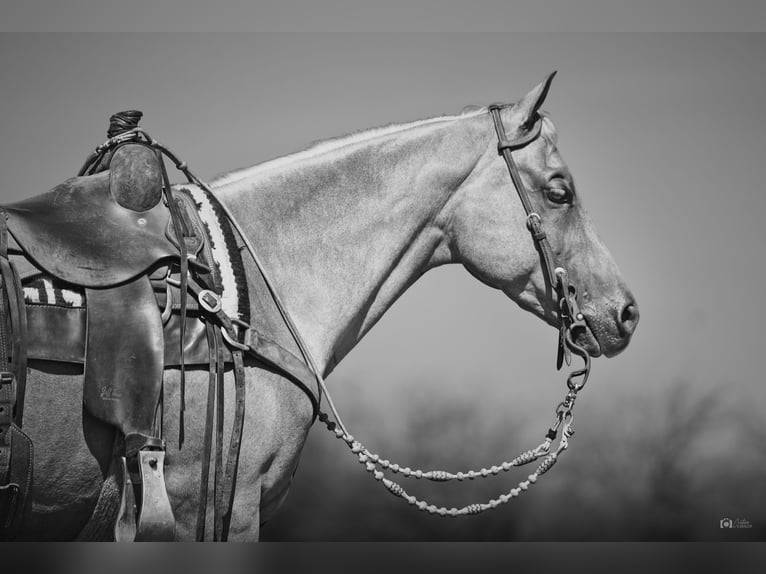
x=664, y=134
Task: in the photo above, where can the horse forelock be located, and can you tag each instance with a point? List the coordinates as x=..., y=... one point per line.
x=549, y=129
x=334, y=144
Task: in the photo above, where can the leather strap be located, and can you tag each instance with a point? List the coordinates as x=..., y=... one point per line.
x=207, y=444
x=20, y=329
x=7, y=378
x=18, y=319
x=264, y=349
x=16, y=451
x=232, y=460
x=556, y=277
x=220, y=394
x=6, y=395
x=276, y=356
x=534, y=222
x=181, y=233
x=124, y=363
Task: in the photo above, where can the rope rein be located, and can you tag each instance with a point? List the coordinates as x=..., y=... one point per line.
x=372, y=461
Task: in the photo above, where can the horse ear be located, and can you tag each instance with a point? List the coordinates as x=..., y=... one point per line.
x=525, y=111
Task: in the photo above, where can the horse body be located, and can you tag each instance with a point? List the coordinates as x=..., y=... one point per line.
x=343, y=229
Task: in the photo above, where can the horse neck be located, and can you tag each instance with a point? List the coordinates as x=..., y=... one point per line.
x=345, y=228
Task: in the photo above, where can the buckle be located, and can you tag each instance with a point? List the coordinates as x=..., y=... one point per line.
x=210, y=301
x=6, y=378
x=534, y=220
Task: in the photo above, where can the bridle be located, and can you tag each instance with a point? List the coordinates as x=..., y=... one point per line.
x=570, y=317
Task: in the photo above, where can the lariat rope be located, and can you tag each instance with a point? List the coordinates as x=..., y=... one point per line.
x=569, y=315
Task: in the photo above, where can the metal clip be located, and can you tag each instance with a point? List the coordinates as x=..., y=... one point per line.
x=584, y=372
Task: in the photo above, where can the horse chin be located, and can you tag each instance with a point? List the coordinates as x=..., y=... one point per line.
x=614, y=347
x=599, y=340
x=588, y=341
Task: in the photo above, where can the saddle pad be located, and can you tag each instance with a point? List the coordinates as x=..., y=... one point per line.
x=225, y=251
x=49, y=291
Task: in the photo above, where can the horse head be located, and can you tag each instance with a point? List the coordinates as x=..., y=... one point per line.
x=488, y=230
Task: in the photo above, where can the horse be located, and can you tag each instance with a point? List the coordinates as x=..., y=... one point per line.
x=343, y=227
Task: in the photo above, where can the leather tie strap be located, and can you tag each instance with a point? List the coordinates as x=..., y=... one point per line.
x=181, y=233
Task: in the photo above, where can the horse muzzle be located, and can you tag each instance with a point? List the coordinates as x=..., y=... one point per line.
x=609, y=332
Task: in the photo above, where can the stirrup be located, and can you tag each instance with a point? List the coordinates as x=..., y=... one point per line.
x=156, y=522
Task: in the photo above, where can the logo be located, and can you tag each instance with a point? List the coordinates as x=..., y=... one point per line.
x=736, y=523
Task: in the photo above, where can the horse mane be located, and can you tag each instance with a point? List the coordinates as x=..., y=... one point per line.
x=320, y=147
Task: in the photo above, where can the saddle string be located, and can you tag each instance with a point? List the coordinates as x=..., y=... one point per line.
x=181, y=232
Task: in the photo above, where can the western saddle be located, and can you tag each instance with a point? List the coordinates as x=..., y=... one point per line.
x=142, y=257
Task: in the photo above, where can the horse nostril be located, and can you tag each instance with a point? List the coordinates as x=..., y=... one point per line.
x=629, y=318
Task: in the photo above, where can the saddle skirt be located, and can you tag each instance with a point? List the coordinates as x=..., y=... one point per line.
x=57, y=309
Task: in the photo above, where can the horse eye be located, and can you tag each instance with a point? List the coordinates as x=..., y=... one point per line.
x=559, y=195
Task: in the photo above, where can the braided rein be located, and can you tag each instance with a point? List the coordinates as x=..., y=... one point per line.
x=562, y=424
